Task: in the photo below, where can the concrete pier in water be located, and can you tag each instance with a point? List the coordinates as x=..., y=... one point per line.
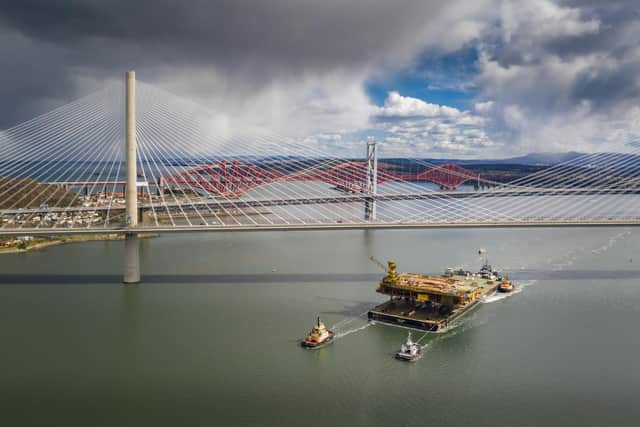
x=131, y=270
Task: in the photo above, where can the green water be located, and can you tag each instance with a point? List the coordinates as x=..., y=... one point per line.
x=78, y=348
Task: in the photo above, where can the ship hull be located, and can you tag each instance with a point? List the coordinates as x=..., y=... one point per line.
x=408, y=358
x=317, y=344
x=382, y=314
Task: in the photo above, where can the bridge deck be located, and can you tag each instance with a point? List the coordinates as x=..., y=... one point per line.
x=320, y=226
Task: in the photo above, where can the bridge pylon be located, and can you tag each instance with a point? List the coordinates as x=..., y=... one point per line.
x=371, y=181
x=131, y=193
x=131, y=270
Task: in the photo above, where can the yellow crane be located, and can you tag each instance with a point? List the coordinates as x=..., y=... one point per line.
x=379, y=263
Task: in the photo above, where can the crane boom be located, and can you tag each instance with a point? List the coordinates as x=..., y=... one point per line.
x=378, y=263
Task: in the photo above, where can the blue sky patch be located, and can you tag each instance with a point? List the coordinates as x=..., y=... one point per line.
x=444, y=80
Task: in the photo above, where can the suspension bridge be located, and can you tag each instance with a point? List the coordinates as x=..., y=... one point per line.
x=134, y=158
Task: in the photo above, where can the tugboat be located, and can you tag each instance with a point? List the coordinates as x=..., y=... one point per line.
x=505, y=285
x=409, y=351
x=318, y=336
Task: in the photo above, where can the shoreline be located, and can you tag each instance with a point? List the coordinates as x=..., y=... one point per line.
x=72, y=239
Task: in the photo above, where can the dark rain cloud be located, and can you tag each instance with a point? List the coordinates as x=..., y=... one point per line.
x=54, y=51
x=49, y=45
x=611, y=80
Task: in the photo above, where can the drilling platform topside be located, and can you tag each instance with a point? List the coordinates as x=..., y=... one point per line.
x=432, y=302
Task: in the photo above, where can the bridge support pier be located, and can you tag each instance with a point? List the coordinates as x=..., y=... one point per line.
x=371, y=182
x=131, y=274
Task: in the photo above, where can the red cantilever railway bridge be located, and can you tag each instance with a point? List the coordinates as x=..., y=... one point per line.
x=235, y=178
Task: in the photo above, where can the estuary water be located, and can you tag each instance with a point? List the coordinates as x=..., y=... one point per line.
x=210, y=338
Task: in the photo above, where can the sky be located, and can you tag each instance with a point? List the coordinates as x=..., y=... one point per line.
x=424, y=78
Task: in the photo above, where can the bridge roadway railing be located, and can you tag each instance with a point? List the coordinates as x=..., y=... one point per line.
x=519, y=223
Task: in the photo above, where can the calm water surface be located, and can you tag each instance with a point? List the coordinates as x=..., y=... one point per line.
x=211, y=337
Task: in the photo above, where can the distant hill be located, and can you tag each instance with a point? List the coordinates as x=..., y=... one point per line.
x=538, y=159
x=532, y=159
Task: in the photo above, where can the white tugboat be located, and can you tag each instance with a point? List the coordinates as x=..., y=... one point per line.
x=409, y=351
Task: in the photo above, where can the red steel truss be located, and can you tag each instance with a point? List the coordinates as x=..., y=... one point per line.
x=448, y=176
x=235, y=178
x=224, y=178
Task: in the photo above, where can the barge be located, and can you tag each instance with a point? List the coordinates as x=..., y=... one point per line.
x=431, y=302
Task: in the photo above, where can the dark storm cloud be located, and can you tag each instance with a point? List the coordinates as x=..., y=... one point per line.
x=609, y=86
x=329, y=30
x=313, y=57
x=52, y=43
x=607, y=41
x=615, y=36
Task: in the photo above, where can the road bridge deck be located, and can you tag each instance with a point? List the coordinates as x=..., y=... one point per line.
x=520, y=223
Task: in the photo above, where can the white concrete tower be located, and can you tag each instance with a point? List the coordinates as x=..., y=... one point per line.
x=131, y=191
x=131, y=272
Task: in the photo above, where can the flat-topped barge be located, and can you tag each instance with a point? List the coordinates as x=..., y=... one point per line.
x=432, y=302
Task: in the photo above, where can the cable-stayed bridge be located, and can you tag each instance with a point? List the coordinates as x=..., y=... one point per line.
x=138, y=159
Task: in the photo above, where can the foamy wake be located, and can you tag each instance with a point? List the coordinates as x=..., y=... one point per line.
x=612, y=241
x=353, y=331
x=498, y=296
x=567, y=262
x=459, y=326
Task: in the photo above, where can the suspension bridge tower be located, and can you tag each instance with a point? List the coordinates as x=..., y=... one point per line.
x=132, y=242
x=371, y=182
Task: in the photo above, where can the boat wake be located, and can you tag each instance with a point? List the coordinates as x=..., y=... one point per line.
x=499, y=296
x=565, y=262
x=345, y=322
x=612, y=241
x=459, y=326
x=352, y=331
